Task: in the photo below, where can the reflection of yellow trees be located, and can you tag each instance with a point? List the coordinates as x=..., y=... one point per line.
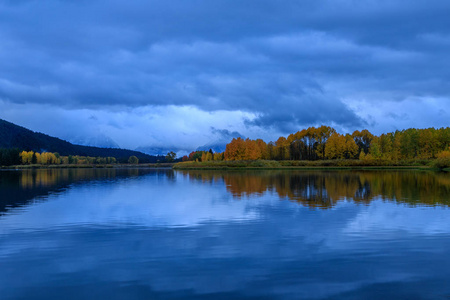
x=52, y=177
x=325, y=189
x=43, y=178
x=253, y=185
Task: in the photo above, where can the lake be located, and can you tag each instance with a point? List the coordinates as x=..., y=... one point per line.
x=165, y=234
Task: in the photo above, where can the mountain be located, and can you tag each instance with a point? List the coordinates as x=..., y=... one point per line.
x=158, y=150
x=99, y=140
x=14, y=136
x=223, y=137
x=215, y=147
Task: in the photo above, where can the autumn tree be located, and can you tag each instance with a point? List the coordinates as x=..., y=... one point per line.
x=335, y=146
x=207, y=156
x=235, y=150
x=323, y=133
x=375, y=149
x=26, y=157
x=324, y=142
x=443, y=159
x=262, y=149
x=363, y=139
x=195, y=155
x=281, y=149
x=351, y=149
x=386, y=144
x=218, y=156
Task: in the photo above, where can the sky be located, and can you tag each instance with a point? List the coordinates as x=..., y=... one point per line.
x=182, y=74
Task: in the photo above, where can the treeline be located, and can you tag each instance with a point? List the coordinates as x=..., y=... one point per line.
x=325, y=143
x=48, y=158
x=9, y=157
x=14, y=156
x=203, y=156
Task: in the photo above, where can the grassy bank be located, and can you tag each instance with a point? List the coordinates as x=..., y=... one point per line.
x=295, y=164
x=100, y=166
x=255, y=164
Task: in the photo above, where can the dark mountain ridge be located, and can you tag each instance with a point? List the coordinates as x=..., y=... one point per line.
x=14, y=136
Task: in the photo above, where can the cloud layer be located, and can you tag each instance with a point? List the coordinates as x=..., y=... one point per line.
x=278, y=65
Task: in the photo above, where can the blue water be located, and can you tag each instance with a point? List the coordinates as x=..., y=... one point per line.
x=164, y=234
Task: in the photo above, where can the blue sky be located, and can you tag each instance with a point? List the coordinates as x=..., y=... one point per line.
x=187, y=73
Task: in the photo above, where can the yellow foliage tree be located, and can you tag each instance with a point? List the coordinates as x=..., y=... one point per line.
x=351, y=149
x=335, y=146
x=235, y=150
x=218, y=156
x=26, y=157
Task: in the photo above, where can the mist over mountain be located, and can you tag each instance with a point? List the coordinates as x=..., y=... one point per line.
x=215, y=147
x=99, y=140
x=219, y=144
x=162, y=151
x=223, y=137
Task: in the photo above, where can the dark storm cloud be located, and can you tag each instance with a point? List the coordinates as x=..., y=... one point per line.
x=290, y=63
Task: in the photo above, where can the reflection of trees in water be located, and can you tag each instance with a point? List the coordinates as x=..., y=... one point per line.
x=303, y=188
x=18, y=188
x=32, y=179
x=326, y=188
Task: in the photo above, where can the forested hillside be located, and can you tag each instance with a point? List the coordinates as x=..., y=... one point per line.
x=13, y=136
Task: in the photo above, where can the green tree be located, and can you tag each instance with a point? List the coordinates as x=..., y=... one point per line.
x=171, y=156
x=34, y=159
x=133, y=160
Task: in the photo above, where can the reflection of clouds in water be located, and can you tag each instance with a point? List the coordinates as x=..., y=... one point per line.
x=140, y=203
x=388, y=217
x=177, y=235
x=279, y=256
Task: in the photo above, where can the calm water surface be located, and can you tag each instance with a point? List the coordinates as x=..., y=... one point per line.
x=164, y=234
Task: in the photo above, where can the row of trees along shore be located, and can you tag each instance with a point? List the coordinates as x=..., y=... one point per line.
x=325, y=143
x=14, y=156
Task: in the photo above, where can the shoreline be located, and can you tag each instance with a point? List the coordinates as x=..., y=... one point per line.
x=107, y=166
x=308, y=165
x=230, y=165
x=422, y=168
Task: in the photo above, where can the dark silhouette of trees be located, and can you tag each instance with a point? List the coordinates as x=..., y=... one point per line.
x=170, y=157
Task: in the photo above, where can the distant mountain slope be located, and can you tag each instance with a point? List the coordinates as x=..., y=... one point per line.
x=215, y=147
x=98, y=140
x=14, y=136
x=157, y=150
